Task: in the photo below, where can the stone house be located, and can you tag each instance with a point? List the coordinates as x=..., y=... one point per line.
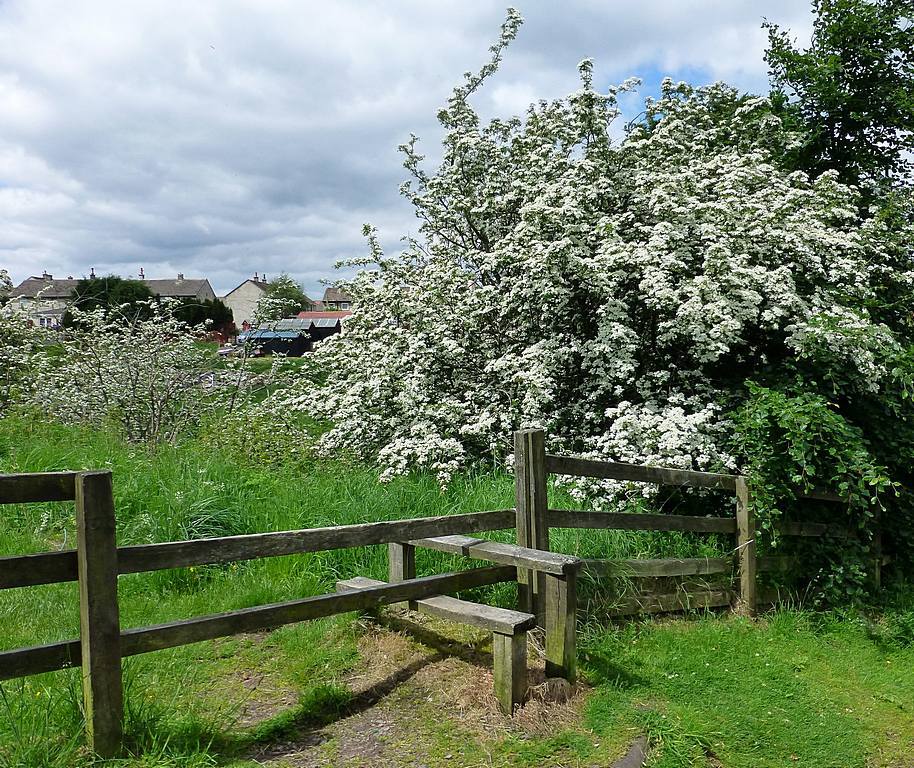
x=336, y=300
x=43, y=299
x=243, y=299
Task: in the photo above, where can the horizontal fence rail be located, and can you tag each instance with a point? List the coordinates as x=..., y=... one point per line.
x=625, y=521
x=53, y=567
x=616, y=470
x=53, y=656
x=37, y=487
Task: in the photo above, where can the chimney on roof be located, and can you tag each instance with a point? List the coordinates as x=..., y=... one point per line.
x=46, y=276
x=142, y=274
x=256, y=278
x=180, y=275
x=91, y=271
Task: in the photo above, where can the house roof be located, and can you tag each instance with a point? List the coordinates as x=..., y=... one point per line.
x=47, y=286
x=317, y=315
x=268, y=333
x=177, y=288
x=63, y=289
x=335, y=294
x=262, y=284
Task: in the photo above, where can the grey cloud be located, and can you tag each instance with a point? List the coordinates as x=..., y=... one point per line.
x=221, y=138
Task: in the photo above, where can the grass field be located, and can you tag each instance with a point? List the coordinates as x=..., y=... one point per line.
x=792, y=688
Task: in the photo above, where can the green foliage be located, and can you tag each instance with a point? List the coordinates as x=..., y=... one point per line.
x=196, y=312
x=851, y=93
x=108, y=293
x=283, y=298
x=796, y=442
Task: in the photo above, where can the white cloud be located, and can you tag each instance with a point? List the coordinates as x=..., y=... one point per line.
x=220, y=138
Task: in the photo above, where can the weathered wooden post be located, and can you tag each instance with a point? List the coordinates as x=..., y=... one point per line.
x=509, y=669
x=561, y=625
x=531, y=505
x=745, y=522
x=99, y=619
x=401, y=566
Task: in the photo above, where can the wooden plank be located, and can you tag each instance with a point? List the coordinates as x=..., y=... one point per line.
x=99, y=618
x=509, y=670
x=153, y=557
x=494, y=619
x=37, y=486
x=649, y=568
x=507, y=554
x=676, y=601
x=615, y=470
x=745, y=549
x=266, y=616
x=626, y=521
x=39, y=568
x=47, y=658
x=36, y=659
x=531, y=503
x=561, y=626
x=53, y=567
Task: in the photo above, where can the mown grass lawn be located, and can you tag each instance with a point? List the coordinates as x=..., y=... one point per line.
x=791, y=688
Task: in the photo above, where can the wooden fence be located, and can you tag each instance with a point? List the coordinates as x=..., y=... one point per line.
x=97, y=561
x=533, y=466
x=546, y=580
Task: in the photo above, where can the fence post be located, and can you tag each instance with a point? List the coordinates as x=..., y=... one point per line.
x=99, y=619
x=745, y=521
x=531, y=504
x=401, y=566
x=561, y=625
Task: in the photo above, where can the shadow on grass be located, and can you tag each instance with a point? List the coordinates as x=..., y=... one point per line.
x=602, y=670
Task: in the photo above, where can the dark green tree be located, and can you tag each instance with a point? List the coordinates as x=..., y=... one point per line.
x=197, y=311
x=851, y=93
x=110, y=292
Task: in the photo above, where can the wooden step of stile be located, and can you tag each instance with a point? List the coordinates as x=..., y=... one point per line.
x=509, y=636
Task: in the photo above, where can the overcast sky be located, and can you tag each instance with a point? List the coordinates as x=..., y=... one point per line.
x=222, y=138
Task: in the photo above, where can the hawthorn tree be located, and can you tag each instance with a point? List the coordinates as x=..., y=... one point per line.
x=659, y=299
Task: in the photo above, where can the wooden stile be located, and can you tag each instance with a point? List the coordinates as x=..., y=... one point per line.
x=99, y=618
x=506, y=554
x=509, y=669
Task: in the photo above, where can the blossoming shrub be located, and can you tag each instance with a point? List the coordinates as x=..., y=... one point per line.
x=618, y=294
